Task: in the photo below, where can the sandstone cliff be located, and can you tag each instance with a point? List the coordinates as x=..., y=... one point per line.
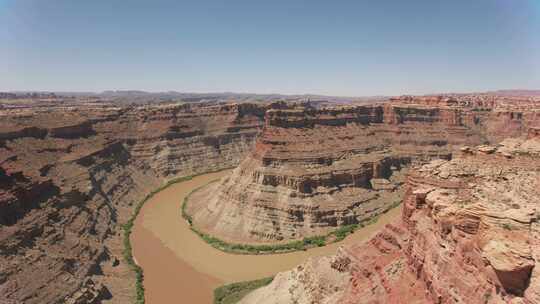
x=70, y=175
x=468, y=234
x=313, y=170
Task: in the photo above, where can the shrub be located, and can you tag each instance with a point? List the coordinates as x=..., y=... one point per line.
x=232, y=293
x=342, y=232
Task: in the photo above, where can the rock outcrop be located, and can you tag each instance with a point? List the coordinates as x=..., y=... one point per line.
x=72, y=169
x=313, y=170
x=70, y=175
x=468, y=234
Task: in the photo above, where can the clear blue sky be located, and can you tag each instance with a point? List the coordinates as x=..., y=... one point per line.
x=323, y=47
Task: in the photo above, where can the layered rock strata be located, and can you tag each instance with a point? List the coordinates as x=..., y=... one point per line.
x=72, y=169
x=313, y=170
x=70, y=175
x=469, y=233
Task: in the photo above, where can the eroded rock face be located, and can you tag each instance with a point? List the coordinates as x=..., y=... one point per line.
x=70, y=175
x=318, y=280
x=481, y=210
x=468, y=234
x=313, y=170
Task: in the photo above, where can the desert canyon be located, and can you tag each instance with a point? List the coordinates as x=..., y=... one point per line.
x=454, y=180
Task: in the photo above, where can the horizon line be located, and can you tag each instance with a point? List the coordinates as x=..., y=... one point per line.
x=98, y=92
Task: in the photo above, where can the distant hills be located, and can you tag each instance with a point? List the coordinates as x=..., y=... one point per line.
x=139, y=97
x=517, y=92
x=136, y=96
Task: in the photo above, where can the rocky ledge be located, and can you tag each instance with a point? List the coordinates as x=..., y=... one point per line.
x=71, y=174
x=469, y=233
x=313, y=170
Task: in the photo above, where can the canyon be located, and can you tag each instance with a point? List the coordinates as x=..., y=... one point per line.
x=313, y=170
x=177, y=261
x=72, y=173
x=468, y=234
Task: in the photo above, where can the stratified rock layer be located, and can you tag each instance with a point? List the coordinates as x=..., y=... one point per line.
x=313, y=170
x=69, y=175
x=469, y=233
x=72, y=169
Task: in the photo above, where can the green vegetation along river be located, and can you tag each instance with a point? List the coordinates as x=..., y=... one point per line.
x=180, y=267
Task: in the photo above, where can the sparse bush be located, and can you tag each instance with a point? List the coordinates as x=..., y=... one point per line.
x=232, y=293
x=344, y=231
x=314, y=240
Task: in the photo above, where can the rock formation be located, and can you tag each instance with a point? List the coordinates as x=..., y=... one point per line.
x=70, y=175
x=313, y=170
x=469, y=233
x=72, y=169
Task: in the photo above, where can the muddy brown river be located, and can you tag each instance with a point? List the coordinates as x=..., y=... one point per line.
x=179, y=267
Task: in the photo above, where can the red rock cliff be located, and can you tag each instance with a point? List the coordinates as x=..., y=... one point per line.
x=70, y=174
x=313, y=170
x=468, y=234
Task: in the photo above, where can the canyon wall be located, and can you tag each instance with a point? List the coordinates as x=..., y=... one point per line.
x=70, y=175
x=469, y=233
x=313, y=170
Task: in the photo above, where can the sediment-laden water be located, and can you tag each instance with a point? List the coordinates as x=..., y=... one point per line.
x=179, y=267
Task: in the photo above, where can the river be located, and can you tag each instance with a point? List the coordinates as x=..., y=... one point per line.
x=179, y=267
